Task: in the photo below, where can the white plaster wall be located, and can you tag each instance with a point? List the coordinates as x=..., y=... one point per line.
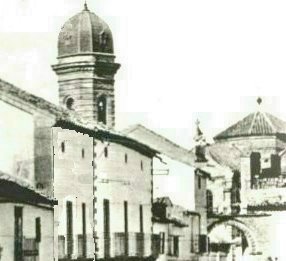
x=30, y=213
x=7, y=232
x=16, y=142
x=73, y=181
x=276, y=236
x=178, y=184
x=118, y=181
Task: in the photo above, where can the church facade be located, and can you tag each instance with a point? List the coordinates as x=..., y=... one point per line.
x=101, y=179
x=246, y=197
x=90, y=188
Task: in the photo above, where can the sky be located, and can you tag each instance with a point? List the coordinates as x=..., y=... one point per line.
x=180, y=59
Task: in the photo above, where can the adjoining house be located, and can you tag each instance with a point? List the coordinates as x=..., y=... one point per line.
x=178, y=230
x=179, y=187
x=26, y=222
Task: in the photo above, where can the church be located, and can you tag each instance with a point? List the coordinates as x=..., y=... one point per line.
x=100, y=179
x=246, y=195
x=87, y=187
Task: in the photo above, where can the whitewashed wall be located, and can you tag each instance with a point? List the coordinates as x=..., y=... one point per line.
x=178, y=185
x=16, y=142
x=7, y=233
x=118, y=181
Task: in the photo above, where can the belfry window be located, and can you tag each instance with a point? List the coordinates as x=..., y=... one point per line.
x=101, y=110
x=70, y=103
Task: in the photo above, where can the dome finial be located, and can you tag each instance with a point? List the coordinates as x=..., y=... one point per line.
x=259, y=100
x=85, y=6
x=199, y=133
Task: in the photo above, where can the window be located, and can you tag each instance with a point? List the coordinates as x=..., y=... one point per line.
x=63, y=146
x=103, y=39
x=83, y=206
x=105, y=152
x=69, y=228
x=173, y=246
x=126, y=158
x=38, y=229
x=176, y=246
x=209, y=202
x=70, y=103
x=255, y=167
x=18, y=232
x=126, y=246
x=101, y=110
x=141, y=165
x=162, y=242
x=199, y=182
x=141, y=219
x=106, y=227
x=40, y=186
x=82, y=153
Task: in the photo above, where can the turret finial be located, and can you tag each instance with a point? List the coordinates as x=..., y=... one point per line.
x=198, y=130
x=259, y=100
x=85, y=6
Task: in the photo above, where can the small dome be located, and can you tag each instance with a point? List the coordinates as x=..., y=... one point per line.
x=85, y=33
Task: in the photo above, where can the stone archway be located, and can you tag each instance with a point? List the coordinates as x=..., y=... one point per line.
x=249, y=233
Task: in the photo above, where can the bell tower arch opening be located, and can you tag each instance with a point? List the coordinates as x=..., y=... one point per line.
x=101, y=109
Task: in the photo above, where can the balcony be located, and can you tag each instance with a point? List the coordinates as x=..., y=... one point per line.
x=30, y=248
x=268, y=183
x=129, y=244
x=75, y=247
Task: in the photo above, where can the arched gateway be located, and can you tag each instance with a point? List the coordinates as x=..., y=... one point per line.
x=248, y=233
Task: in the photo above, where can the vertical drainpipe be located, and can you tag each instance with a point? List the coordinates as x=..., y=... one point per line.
x=94, y=198
x=152, y=200
x=152, y=193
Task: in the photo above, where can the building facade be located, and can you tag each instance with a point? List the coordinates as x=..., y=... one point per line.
x=246, y=214
x=179, y=194
x=101, y=179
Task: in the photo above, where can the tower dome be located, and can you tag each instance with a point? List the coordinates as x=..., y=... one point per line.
x=85, y=33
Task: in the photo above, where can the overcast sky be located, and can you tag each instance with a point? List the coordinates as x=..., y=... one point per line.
x=181, y=59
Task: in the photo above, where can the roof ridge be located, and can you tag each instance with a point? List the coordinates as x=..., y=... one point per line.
x=269, y=122
x=135, y=126
x=15, y=91
x=252, y=123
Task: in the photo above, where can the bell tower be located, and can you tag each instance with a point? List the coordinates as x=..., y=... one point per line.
x=86, y=68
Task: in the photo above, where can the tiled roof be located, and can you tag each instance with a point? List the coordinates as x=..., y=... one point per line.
x=255, y=124
x=70, y=119
x=13, y=183
x=10, y=89
x=161, y=144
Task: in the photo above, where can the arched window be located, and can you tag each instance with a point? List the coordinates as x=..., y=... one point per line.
x=209, y=202
x=101, y=110
x=70, y=103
